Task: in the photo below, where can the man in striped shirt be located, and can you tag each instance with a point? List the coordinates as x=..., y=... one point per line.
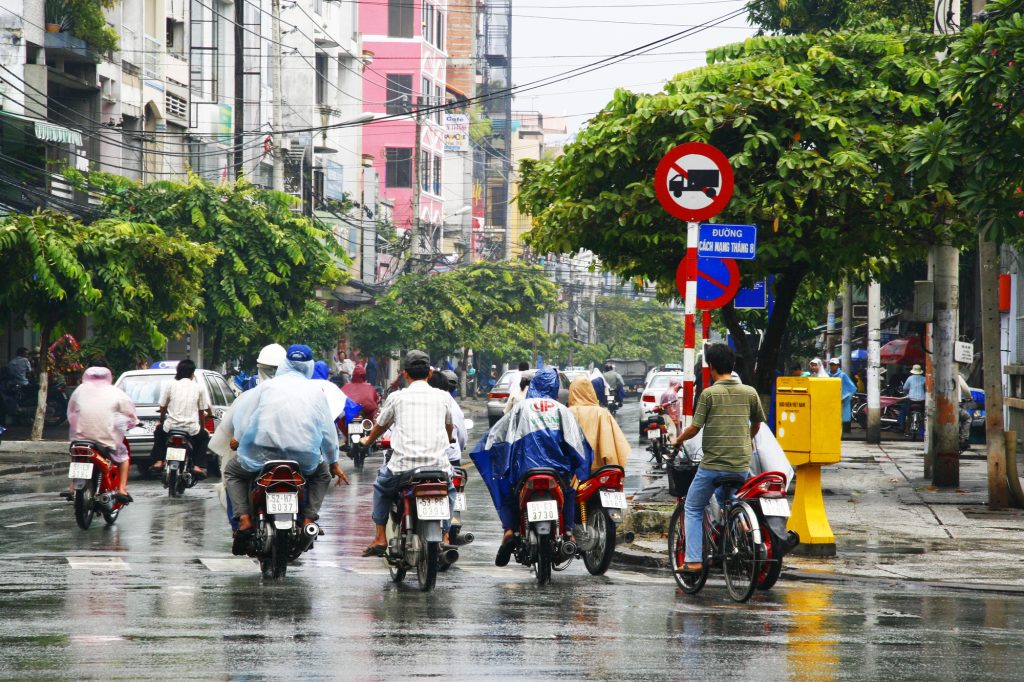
x=730, y=414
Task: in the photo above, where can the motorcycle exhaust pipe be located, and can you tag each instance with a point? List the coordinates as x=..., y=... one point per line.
x=309, y=534
x=626, y=537
x=569, y=549
x=311, y=529
x=106, y=499
x=449, y=556
x=467, y=538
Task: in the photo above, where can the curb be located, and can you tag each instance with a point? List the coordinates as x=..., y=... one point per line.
x=31, y=468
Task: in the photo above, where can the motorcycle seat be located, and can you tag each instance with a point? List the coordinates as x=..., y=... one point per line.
x=178, y=432
x=272, y=464
x=542, y=470
x=98, y=447
x=422, y=474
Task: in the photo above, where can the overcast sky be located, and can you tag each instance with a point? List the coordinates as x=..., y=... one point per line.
x=553, y=36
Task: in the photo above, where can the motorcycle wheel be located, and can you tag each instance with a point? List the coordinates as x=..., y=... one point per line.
x=278, y=563
x=740, y=556
x=358, y=458
x=771, y=569
x=545, y=550
x=599, y=558
x=690, y=583
x=172, y=483
x=426, y=567
x=111, y=516
x=397, y=571
x=915, y=427
x=84, y=502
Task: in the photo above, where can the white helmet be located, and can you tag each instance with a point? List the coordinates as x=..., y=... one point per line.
x=272, y=355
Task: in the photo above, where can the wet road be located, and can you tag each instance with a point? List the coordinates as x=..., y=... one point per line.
x=159, y=595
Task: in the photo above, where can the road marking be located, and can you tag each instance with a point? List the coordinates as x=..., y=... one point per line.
x=229, y=564
x=19, y=525
x=98, y=563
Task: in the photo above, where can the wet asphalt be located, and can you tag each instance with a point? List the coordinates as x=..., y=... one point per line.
x=159, y=596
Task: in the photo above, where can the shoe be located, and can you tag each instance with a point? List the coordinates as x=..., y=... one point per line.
x=69, y=496
x=505, y=552
x=123, y=498
x=240, y=542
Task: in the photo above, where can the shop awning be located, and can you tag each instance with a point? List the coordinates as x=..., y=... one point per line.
x=46, y=131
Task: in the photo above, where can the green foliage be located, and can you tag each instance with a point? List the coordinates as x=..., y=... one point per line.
x=812, y=16
x=268, y=263
x=812, y=125
x=313, y=324
x=629, y=328
x=85, y=19
x=495, y=309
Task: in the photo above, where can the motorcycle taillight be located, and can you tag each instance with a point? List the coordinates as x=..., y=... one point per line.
x=457, y=481
x=539, y=483
x=209, y=425
x=177, y=441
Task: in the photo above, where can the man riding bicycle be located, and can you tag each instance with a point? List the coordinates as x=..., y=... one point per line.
x=730, y=415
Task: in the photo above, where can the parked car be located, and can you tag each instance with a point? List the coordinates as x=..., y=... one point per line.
x=498, y=396
x=144, y=386
x=656, y=385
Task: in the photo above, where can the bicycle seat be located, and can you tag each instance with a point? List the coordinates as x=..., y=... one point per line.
x=731, y=481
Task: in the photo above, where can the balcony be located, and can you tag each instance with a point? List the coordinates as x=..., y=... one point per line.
x=68, y=48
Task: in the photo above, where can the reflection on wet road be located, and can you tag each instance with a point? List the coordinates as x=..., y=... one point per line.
x=159, y=595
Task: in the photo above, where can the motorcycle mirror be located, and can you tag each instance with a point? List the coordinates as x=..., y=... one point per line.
x=469, y=424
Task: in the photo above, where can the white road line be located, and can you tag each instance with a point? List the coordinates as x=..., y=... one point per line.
x=98, y=563
x=229, y=564
x=19, y=525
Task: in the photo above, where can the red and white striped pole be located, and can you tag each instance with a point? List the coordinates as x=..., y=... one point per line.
x=705, y=333
x=689, y=326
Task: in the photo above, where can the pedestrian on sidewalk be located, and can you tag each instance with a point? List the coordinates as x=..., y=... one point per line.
x=848, y=388
x=730, y=414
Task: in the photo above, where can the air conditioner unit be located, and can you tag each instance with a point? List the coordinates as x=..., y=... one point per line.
x=860, y=311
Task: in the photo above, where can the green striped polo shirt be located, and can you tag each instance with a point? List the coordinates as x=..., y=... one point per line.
x=725, y=412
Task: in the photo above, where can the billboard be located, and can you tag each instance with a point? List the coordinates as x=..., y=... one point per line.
x=456, y=133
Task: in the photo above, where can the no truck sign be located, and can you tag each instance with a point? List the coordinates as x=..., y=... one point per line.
x=694, y=181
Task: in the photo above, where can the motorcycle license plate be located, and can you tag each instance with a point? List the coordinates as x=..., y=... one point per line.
x=546, y=510
x=432, y=508
x=653, y=433
x=175, y=454
x=80, y=470
x=613, y=499
x=460, y=501
x=775, y=506
x=282, y=503
x=355, y=429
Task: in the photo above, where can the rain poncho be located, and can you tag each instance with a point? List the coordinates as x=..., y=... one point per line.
x=600, y=428
x=100, y=412
x=285, y=418
x=822, y=372
x=847, y=391
x=600, y=388
x=362, y=393
x=321, y=370
x=538, y=432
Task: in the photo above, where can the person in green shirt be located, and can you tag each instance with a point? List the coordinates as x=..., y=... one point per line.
x=730, y=415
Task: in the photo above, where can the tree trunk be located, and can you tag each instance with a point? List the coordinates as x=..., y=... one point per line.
x=786, y=286
x=218, y=340
x=43, y=376
x=739, y=336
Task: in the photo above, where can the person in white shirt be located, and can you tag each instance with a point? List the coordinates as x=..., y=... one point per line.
x=184, y=406
x=420, y=419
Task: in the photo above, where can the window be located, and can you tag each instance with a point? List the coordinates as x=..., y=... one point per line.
x=425, y=172
x=437, y=175
x=175, y=38
x=439, y=33
x=176, y=106
x=438, y=101
x=399, y=94
x=428, y=23
x=321, y=78
x=400, y=14
x=398, y=167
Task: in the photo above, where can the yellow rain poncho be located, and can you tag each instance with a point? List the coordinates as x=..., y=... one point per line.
x=599, y=426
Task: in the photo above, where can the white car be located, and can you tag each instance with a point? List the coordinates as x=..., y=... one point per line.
x=651, y=397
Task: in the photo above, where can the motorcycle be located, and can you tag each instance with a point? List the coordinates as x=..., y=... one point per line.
x=913, y=427
x=601, y=506
x=277, y=496
x=455, y=534
x=657, y=436
x=96, y=479
x=414, y=529
x=890, y=413
x=613, y=404
x=542, y=539
x=356, y=449
x=178, y=468
x=18, y=403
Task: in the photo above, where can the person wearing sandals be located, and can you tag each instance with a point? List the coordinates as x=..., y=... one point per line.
x=184, y=406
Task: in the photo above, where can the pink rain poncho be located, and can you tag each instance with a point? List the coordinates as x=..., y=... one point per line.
x=100, y=412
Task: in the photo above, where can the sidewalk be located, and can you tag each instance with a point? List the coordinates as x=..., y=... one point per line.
x=889, y=523
x=23, y=456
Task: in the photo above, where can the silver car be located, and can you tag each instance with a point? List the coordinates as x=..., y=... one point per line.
x=498, y=396
x=144, y=387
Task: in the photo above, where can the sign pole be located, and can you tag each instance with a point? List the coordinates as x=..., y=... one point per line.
x=689, y=328
x=705, y=333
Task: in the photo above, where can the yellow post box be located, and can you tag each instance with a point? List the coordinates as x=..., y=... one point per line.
x=808, y=426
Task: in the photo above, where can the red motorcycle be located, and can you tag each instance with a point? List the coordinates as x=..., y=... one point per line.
x=542, y=538
x=414, y=529
x=96, y=480
x=657, y=436
x=600, y=505
x=455, y=534
x=277, y=496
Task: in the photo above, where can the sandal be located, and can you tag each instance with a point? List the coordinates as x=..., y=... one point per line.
x=505, y=552
x=375, y=550
x=123, y=498
x=240, y=542
x=690, y=568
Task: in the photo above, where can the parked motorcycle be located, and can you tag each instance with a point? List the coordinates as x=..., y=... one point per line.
x=277, y=495
x=414, y=529
x=542, y=538
x=601, y=507
x=96, y=479
x=178, y=473
x=657, y=436
x=18, y=403
x=890, y=413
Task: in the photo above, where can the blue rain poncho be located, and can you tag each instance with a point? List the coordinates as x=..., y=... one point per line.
x=285, y=418
x=538, y=432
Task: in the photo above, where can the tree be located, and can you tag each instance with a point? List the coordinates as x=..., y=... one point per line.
x=811, y=16
x=313, y=324
x=629, y=328
x=269, y=261
x=812, y=125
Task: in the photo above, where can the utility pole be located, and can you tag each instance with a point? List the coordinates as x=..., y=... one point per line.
x=414, y=225
x=874, y=425
x=277, y=175
x=830, y=327
x=991, y=357
x=239, y=105
x=848, y=328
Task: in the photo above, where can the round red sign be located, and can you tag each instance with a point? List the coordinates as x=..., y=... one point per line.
x=717, y=279
x=694, y=181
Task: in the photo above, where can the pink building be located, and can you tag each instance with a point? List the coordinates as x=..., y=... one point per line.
x=407, y=39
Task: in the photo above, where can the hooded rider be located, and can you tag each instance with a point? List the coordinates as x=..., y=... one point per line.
x=287, y=417
x=538, y=432
x=362, y=392
x=599, y=426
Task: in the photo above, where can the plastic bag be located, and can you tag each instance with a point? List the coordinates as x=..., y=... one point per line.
x=769, y=456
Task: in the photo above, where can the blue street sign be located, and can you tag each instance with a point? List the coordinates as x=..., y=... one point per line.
x=727, y=241
x=754, y=298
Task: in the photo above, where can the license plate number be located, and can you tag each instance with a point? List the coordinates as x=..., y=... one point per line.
x=775, y=506
x=80, y=470
x=176, y=454
x=613, y=499
x=282, y=503
x=542, y=511
x=355, y=429
x=432, y=508
x=653, y=432
x=460, y=501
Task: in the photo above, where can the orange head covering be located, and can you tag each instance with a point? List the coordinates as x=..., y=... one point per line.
x=599, y=427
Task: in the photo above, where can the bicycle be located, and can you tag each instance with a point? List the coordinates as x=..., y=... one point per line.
x=746, y=537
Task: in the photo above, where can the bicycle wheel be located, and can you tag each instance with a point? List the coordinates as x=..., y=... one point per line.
x=740, y=557
x=691, y=583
